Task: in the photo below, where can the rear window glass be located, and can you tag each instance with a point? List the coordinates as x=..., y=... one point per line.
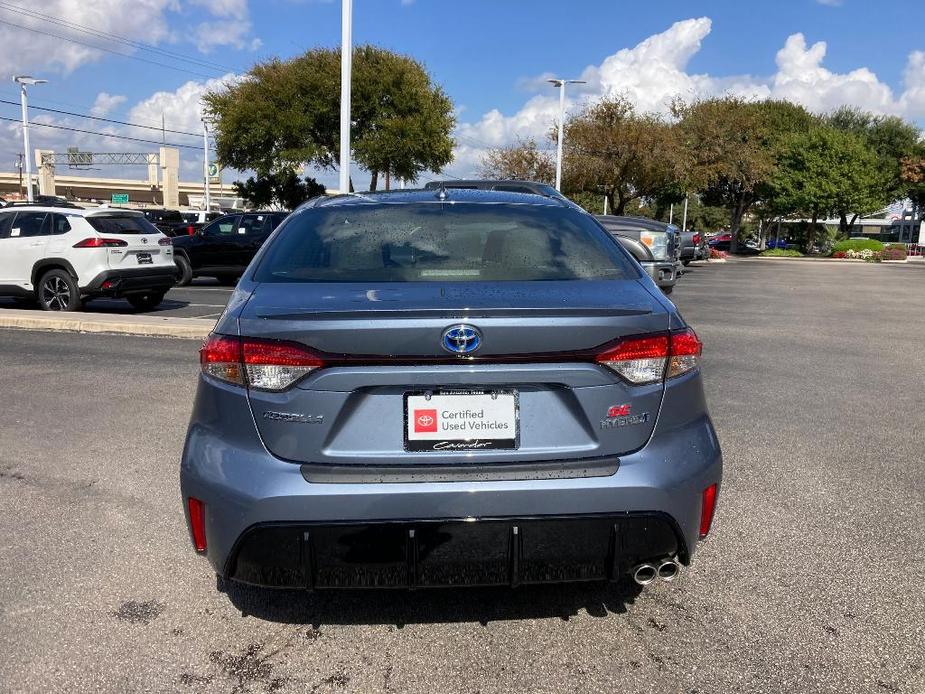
x=122, y=224
x=432, y=242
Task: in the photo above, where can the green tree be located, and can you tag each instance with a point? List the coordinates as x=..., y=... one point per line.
x=610, y=149
x=524, y=161
x=827, y=170
x=891, y=138
x=732, y=147
x=283, y=187
x=286, y=113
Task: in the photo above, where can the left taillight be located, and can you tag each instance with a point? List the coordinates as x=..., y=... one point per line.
x=649, y=359
x=271, y=365
x=100, y=242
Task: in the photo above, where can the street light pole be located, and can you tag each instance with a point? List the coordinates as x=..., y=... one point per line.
x=346, y=65
x=23, y=80
x=207, y=201
x=560, y=83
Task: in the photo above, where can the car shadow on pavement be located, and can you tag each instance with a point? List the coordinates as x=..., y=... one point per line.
x=400, y=607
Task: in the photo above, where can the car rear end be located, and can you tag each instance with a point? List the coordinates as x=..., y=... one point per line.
x=434, y=393
x=138, y=258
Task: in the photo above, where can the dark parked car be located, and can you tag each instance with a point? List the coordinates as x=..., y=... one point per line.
x=660, y=238
x=424, y=389
x=223, y=248
x=193, y=221
x=507, y=185
x=165, y=220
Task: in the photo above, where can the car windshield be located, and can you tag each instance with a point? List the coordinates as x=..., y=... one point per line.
x=441, y=242
x=122, y=224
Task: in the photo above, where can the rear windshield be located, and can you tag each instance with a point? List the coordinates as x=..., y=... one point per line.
x=122, y=224
x=432, y=242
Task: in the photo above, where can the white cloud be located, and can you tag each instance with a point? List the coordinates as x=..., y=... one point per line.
x=830, y=3
x=105, y=103
x=231, y=28
x=655, y=71
x=25, y=51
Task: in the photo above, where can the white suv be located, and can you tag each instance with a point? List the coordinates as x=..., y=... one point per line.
x=61, y=256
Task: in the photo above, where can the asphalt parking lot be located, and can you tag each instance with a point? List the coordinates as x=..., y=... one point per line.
x=812, y=580
x=204, y=298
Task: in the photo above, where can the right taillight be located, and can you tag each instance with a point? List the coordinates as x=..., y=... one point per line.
x=707, y=508
x=197, y=523
x=685, y=352
x=639, y=360
x=272, y=365
x=650, y=359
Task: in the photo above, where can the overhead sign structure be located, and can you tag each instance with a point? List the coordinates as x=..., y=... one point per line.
x=120, y=198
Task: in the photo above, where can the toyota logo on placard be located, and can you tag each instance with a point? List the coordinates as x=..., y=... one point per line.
x=425, y=421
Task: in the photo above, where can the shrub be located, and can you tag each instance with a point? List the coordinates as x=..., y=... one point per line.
x=894, y=251
x=717, y=255
x=858, y=245
x=781, y=253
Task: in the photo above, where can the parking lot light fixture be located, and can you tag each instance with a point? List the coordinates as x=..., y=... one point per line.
x=560, y=83
x=23, y=81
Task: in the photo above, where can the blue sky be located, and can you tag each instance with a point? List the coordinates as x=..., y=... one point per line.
x=489, y=56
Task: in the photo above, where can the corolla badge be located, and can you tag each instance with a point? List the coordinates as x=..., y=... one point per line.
x=461, y=339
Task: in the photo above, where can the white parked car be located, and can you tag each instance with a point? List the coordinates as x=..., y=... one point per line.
x=62, y=256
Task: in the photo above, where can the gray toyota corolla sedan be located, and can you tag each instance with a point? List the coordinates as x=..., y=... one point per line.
x=451, y=387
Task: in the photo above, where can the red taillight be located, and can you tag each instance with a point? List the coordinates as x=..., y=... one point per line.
x=197, y=523
x=262, y=364
x=99, y=242
x=190, y=230
x=685, y=352
x=707, y=507
x=639, y=360
x=642, y=360
x=696, y=239
x=166, y=241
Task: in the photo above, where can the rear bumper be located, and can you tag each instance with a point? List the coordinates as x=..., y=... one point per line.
x=451, y=552
x=258, y=509
x=118, y=283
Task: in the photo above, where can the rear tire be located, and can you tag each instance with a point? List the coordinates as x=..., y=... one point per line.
x=146, y=301
x=58, y=291
x=667, y=290
x=184, y=270
x=685, y=263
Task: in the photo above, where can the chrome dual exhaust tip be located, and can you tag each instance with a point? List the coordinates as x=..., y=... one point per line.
x=667, y=570
x=644, y=574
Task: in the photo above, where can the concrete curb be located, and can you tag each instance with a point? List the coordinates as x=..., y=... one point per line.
x=843, y=261
x=147, y=326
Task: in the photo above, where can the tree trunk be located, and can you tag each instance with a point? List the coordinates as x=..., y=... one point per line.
x=811, y=232
x=843, y=224
x=735, y=221
x=388, y=179
x=373, y=180
x=620, y=207
x=350, y=180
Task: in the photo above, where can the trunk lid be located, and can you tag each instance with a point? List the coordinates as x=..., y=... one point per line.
x=385, y=346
